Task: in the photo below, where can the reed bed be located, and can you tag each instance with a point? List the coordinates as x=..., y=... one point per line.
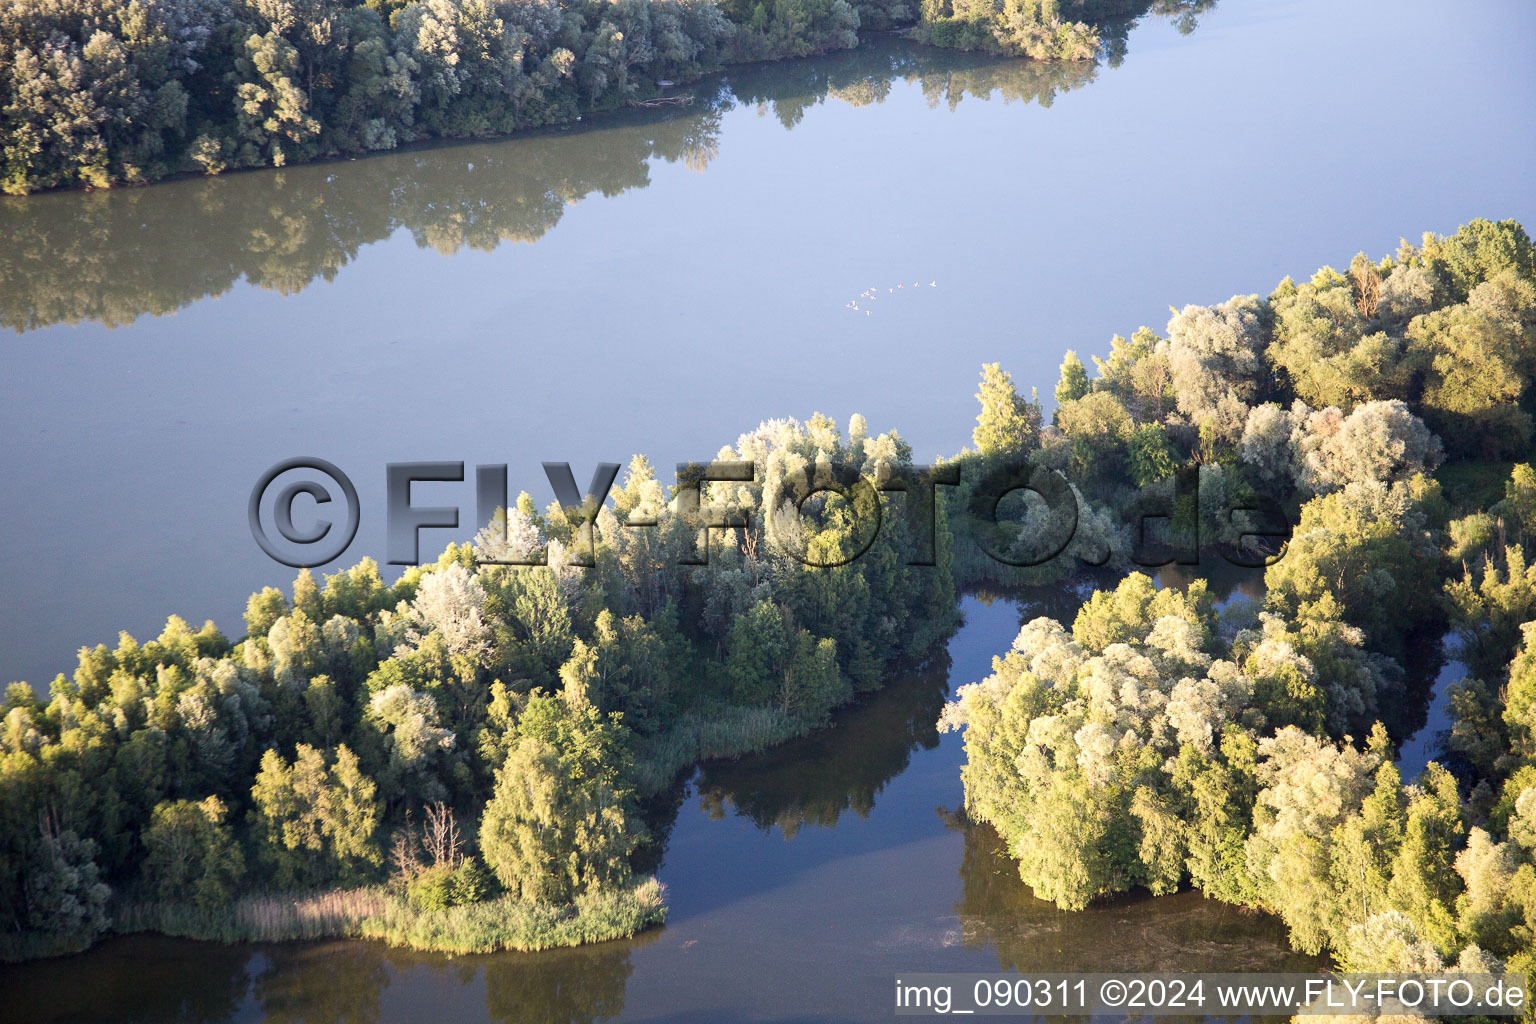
x=376, y=913
x=18, y=946
x=730, y=732
x=268, y=917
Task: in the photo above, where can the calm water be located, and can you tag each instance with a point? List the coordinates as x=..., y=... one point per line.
x=1428, y=743
x=662, y=282
x=801, y=882
x=659, y=282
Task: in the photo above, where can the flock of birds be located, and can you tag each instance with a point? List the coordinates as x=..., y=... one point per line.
x=873, y=293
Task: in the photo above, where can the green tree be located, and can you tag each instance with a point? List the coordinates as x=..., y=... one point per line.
x=1519, y=504
x=1424, y=881
x=315, y=824
x=1365, y=847
x=190, y=854
x=1490, y=605
x=1152, y=456
x=1007, y=424
x=1074, y=383
x=1367, y=549
x=1100, y=428
x=263, y=610
x=757, y=649
x=1477, y=252
x=1520, y=696
x=812, y=685
x=560, y=822
x=65, y=893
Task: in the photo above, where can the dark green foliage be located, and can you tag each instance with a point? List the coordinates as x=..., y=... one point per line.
x=1446, y=327
x=442, y=886
x=97, y=92
x=1368, y=549
x=190, y=855
x=315, y=822
x=64, y=891
x=1151, y=456
x=561, y=822
x=353, y=707
x=1008, y=424
x=1477, y=252
x=756, y=650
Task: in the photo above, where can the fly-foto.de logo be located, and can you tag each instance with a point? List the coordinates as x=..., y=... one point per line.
x=1165, y=519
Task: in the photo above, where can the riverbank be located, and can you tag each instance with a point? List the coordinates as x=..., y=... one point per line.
x=246, y=89
x=376, y=914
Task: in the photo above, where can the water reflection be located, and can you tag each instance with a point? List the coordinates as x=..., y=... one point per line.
x=1059, y=601
x=143, y=979
x=320, y=983
x=1135, y=932
x=134, y=980
x=817, y=780
x=1423, y=721
x=837, y=907
x=1225, y=581
x=114, y=256
x=570, y=986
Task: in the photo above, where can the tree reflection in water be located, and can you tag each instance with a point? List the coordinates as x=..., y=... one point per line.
x=1136, y=932
x=567, y=986
x=113, y=256
x=311, y=983
x=814, y=781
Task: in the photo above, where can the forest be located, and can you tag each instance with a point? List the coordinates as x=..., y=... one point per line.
x=470, y=758
x=1155, y=740
x=460, y=760
x=101, y=92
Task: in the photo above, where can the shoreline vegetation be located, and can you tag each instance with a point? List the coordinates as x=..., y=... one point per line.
x=378, y=914
x=116, y=255
x=96, y=93
x=1151, y=741
x=464, y=759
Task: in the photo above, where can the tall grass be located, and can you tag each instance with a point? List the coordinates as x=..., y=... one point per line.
x=18, y=946
x=730, y=732
x=375, y=913
x=334, y=913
